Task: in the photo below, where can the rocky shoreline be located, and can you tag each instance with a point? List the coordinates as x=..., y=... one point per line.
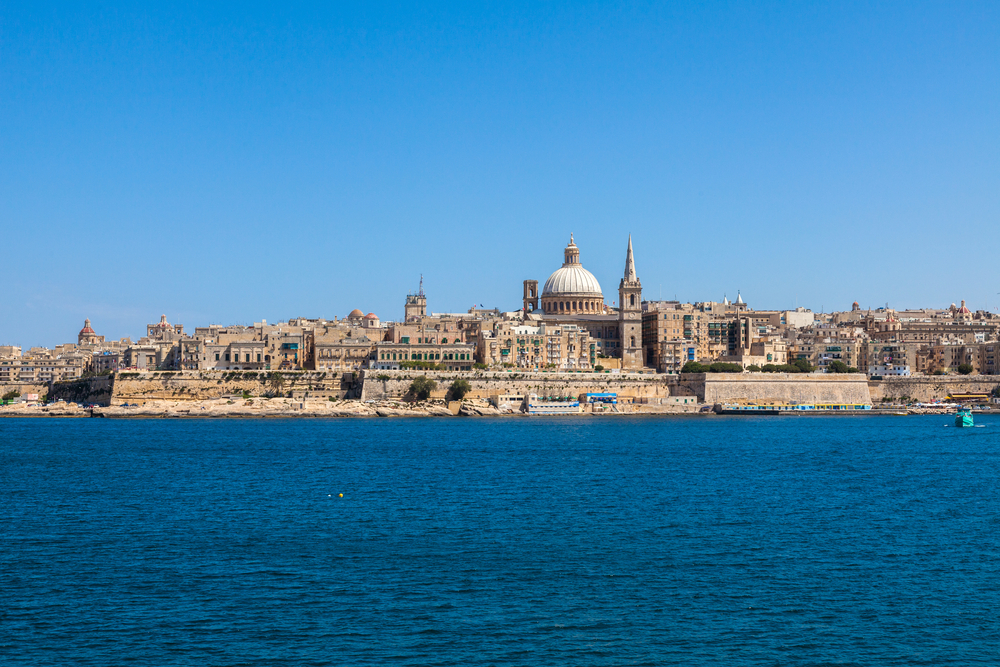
x=257, y=407
x=287, y=407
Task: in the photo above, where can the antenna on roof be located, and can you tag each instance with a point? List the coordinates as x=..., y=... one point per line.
x=421, y=290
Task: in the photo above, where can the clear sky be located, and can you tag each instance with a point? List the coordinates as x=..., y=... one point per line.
x=227, y=164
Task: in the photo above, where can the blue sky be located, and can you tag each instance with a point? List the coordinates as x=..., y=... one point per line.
x=226, y=164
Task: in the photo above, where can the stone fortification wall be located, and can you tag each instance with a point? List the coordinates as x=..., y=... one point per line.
x=379, y=385
x=24, y=388
x=96, y=390
x=838, y=388
x=200, y=385
x=930, y=387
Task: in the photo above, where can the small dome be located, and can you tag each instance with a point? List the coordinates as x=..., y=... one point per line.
x=86, y=328
x=371, y=316
x=963, y=309
x=356, y=313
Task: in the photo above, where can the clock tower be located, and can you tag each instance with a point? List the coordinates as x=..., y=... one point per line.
x=630, y=313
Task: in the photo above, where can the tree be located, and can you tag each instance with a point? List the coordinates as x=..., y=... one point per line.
x=458, y=390
x=422, y=387
x=724, y=367
x=803, y=365
x=11, y=395
x=598, y=368
x=837, y=367
x=694, y=367
x=965, y=369
x=753, y=368
x=852, y=369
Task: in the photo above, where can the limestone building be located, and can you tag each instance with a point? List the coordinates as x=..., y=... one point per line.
x=572, y=295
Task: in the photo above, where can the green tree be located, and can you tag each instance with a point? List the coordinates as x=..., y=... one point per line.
x=11, y=395
x=837, y=367
x=852, y=369
x=422, y=387
x=753, y=368
x=458, y=390
x=965, y=369
x=598, y=368
x=694, y=367
x=803, y=365
x=724, y=367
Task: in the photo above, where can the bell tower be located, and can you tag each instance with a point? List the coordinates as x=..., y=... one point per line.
x=416, y=304
x=630, y=313
x=530, y=296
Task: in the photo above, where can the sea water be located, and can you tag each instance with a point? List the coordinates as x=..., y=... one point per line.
x=536, y=541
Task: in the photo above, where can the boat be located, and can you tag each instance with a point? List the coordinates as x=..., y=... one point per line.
x=963, y=418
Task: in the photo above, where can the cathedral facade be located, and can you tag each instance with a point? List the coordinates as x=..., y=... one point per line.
x=573, y=295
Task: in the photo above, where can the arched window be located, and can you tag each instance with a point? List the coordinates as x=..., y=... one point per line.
x=632, y=341
x=631, y=302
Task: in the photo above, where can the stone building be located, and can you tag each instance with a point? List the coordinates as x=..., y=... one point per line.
x=545, y=346
x=572, y=295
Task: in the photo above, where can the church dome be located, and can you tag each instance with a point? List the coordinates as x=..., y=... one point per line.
x=572, y=278
x=572, y=289
x=355, y=313
x=86, y=328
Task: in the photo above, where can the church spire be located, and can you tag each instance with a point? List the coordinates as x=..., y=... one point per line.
x=630, y=263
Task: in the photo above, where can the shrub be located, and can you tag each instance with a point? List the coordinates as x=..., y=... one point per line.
x=965, y=369
x=598, y=368
x=421, y=388
x=694, y=367
x=480, y=367
x=837, y=367
x=11, y=395
x=753, y=368
x=246, y=394
x=458, y=390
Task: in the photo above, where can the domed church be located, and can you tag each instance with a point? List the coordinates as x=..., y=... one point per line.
x=573, y=295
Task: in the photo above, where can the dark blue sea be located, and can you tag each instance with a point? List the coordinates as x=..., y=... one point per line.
x=548, y=541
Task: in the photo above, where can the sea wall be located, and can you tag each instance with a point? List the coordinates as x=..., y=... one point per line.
x=837, y=388
x=930, y=387
x=136, y=388
x=638, y=387
x=96, y=390
x=24, y=388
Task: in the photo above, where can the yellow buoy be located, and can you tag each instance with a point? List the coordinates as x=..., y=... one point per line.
x=342, y=495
